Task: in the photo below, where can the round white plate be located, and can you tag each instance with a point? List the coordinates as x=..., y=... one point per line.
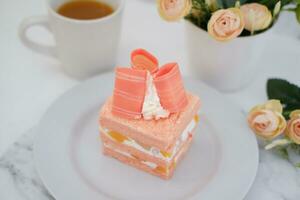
x=221, y=163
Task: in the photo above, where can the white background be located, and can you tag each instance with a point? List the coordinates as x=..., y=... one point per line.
x=30, y=82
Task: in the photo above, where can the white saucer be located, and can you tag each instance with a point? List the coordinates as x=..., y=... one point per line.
x=221, y=164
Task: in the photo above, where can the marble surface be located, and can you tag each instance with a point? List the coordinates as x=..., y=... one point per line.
x=19, y=179
x=276, y=179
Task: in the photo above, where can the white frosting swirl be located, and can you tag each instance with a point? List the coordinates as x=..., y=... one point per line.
x=152, y=108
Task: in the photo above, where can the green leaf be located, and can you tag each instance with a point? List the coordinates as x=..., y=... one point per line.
x=286, y=113
x=297, y=11
x=286, y=2
x=282, y=152
x=297, y=165
x=296, y=148
x=287, y=93
x=200, y=14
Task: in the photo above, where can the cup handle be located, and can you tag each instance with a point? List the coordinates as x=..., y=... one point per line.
x=49, y=50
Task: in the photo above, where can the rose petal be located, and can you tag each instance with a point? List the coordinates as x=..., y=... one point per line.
x=295, y=114
x=268, y=119
x=273, y=105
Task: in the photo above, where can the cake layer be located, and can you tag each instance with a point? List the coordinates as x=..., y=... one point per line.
x=135, y=163
x=125, y=144
x=161, y=171
x=161, y=134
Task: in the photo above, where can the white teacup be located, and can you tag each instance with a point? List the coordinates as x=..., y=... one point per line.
x=84, y=47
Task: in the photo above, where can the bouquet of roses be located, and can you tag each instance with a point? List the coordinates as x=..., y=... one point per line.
x=278, y=120
x=222, y=21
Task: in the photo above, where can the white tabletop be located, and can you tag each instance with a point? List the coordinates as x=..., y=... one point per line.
x=30, y=82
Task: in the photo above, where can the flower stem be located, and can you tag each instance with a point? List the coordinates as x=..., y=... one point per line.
x=289, y=9
x=279, y=142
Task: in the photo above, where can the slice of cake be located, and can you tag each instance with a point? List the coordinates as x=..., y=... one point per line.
x=150, y=120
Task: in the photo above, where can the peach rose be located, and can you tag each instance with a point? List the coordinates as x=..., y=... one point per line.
x=266, y=120
x=257, y=17
x=173, y=10
x=293, y=127
x=226, y=24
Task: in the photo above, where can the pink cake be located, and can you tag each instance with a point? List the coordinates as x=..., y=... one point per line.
x=150, y=129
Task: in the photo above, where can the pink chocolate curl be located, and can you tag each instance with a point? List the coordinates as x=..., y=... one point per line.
x=170, y=89
x=129, y=92
x=142, y=59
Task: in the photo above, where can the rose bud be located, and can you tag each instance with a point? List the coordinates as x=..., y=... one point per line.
x=257, y=17
x=226, y=24
x=173, y=10
x=293, y=127
x=266, y=120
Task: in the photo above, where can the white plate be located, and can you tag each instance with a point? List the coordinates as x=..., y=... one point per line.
x=221, y=163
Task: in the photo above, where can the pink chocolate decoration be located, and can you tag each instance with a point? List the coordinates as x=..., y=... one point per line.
x=130, y=86
x=142, y=59
x=129, y=92
x=170, y=89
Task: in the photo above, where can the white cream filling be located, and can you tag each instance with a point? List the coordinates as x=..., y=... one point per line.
x=183, y=137
x=154, y=151
x=149, y=164
x=118, y=151
x=152, y=108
